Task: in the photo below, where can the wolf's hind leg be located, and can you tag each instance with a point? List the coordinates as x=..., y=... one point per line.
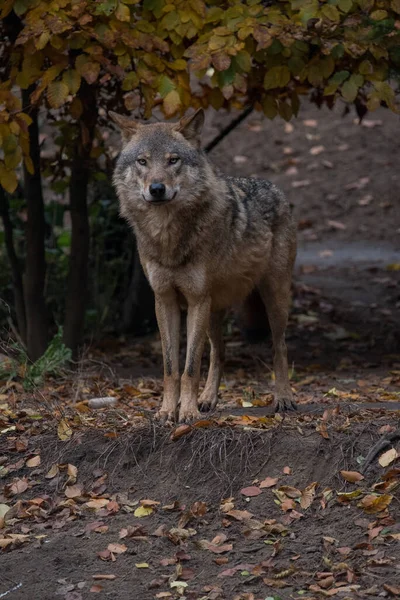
x=209, y=397
x=198, y=320
x=168, y=318
x=275, y=291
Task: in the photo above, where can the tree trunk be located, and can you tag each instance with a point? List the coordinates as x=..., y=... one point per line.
x=16, y=274
x=35, y=271
x=139, y=315
x=78, y=266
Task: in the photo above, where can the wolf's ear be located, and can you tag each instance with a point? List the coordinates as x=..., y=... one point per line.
x=190, y=127
x=128, y=126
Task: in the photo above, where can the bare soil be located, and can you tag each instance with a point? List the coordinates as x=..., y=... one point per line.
x=343, y=339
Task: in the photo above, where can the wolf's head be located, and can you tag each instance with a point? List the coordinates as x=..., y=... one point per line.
x=159, y=163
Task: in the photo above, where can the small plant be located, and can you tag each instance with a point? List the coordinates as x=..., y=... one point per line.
x=53, y=360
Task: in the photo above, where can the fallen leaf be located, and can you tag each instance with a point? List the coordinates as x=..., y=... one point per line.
x=308, y=495
x=315, y=150
x=117, y=548
x=180, y=432
x=142, y=565
x=251, y=491
x=105, y=576
x=392, y=589
x=74, y=491
x=33, y=462
x=97, y=503
x=301, y=183
x=4, y=508
x=388, y=457
x=19, y=486
x=54, y=470
x=287, y=470
x=96, y=588
x=64, y=431
x=352, y=476
x=269, y=482
x=72, y=473
x=239, y=515
x=374, y=504
x=143, y=511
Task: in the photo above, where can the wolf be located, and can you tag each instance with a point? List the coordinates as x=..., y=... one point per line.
x=206, y=241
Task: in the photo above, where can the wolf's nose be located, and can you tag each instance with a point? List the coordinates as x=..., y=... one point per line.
x=157, y=190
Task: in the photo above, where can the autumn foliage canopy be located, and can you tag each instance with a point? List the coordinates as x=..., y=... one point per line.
x=182, y=53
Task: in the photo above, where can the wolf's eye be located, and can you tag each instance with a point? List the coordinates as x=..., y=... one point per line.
x=173, y=160
x=142, y=161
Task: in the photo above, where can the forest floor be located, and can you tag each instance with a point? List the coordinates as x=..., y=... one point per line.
x=243, y=505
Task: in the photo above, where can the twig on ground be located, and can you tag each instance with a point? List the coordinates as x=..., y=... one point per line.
x=378, y=447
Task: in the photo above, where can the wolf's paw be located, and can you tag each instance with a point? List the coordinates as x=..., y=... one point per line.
x=207, y=402
x=166, y=417
x=284, y=404
x=188, y=414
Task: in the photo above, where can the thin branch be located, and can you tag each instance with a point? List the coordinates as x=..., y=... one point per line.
x=232, y=125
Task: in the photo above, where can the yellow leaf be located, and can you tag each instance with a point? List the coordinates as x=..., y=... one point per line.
x=33, y=462
x=42, y=40
x=373, y=504
x=171, y=103
x=72, y=80
x=54, y=470
x=123, y=13
x=378, y=15
x=351, y=476
x=393, y=267
x=57, y=93
x=29, y=164
x=142, y=565
x=143, y=511
x=64, y=431
x=8, y=179
x=388, y=457
x=331, y=12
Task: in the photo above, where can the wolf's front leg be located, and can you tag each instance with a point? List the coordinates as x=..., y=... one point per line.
x=168, y=318
x=198, y=319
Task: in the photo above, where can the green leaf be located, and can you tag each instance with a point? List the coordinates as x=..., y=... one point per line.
x=269, y=106
x=349, y=90
x=277, y=77
x=296, y=65
x=130, y=82
x=72, y=80
x=123, y=13
x=165, y=85
x=331, y=12
x=345, y=5
x=243, y=60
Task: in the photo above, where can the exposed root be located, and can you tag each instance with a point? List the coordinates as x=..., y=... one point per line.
x=377, y=448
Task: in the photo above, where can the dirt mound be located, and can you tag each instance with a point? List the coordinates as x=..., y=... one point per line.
x=228, y=514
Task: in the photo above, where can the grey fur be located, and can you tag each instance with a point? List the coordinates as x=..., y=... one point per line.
x=213, y=241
